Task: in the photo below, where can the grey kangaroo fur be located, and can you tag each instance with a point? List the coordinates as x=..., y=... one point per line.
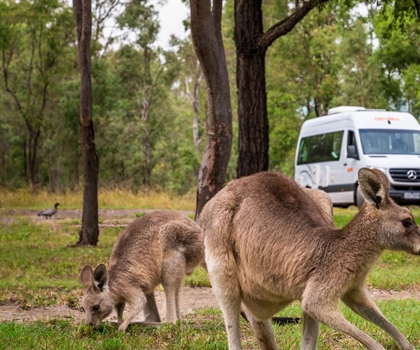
x=160, y=247
x=267, y=243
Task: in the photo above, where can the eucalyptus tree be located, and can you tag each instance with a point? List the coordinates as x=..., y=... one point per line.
x=302, y=79
x=90, y=228
x=147, y=72
x=34, y=39
x=252, y=43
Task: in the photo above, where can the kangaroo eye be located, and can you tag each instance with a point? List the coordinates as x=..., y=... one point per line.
x=407, y=223
x=96, y=307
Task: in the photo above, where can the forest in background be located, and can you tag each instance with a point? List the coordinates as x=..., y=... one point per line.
x=150, y=103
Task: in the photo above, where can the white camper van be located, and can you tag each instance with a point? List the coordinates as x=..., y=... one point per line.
x=331, y=149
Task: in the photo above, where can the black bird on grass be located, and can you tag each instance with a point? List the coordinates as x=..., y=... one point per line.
x=49, y=212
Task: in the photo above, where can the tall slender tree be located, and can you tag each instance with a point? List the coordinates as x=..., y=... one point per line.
x=140, y=19
x=90, y=228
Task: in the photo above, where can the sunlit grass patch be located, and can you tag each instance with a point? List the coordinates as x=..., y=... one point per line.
x=199, y=278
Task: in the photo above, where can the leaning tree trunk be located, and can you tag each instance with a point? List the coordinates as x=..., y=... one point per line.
x=208, y=44
x=90, y=229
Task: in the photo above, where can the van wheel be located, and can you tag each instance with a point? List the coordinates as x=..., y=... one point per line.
x=359, y=198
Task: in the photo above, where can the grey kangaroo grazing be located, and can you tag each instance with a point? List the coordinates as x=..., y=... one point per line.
x=267, y=243
x=160, y=247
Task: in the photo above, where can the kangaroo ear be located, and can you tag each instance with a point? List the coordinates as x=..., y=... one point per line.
x=100, y=277
x=86, y=276
x=374, y=186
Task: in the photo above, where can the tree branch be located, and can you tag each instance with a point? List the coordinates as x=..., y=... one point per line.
x=287, y=24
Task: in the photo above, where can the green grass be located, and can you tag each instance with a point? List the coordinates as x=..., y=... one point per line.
x=202, y=329
x=37, y=268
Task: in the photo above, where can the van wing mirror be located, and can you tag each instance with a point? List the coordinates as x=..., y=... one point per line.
x=352, y=152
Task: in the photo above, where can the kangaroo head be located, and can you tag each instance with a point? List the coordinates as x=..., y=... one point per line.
x=397, y=229
x=96, y=302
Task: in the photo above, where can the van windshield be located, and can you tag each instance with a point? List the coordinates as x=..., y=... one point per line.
x=379, y=141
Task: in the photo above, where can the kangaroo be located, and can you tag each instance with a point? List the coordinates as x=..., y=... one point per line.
x=160, y=247
x=267, y=243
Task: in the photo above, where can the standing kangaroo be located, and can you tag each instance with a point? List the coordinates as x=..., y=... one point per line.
x=160, y=247
x=267, y=243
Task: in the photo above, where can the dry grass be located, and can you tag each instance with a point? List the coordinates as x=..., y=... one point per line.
x=108, y=199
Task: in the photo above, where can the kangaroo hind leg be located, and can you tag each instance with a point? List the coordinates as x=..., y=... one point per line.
x=226, y=288
x=173, y=273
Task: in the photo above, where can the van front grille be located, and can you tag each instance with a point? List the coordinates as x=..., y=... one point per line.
x=405, y=175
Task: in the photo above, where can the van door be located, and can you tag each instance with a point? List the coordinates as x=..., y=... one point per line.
x=350, y=167
x=338, y=175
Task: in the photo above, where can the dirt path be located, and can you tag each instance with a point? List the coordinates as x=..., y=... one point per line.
x=191, y=299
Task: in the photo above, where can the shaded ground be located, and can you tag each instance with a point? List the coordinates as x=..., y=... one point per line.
x=191, y=298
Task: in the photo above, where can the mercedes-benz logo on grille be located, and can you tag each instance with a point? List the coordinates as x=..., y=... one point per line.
x=412, y=175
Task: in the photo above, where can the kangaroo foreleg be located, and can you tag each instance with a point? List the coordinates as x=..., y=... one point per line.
x=136, y=306
x=328, y=314
x=361, y=303
x=151, y=311
x=263, y=331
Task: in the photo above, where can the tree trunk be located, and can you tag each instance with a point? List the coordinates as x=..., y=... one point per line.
x=25, y=158
x=250, y=80
x=251, y=46
x=32, y=158
x=147, y=156
x=90, y=229
x=253, y=135
x=208, y=44
x=194, y=98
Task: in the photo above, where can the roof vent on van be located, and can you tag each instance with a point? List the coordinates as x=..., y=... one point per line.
x=343, y=109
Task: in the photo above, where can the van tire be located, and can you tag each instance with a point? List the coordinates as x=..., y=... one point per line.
x=359, y=198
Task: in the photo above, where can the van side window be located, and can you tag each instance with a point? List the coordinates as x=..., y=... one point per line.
x=320, y=148
x=351, y=141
